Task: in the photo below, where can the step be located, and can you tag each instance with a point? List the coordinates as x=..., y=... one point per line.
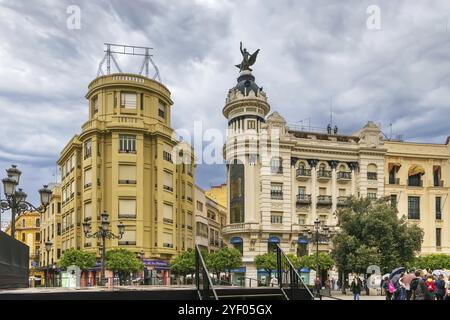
x=263, y=296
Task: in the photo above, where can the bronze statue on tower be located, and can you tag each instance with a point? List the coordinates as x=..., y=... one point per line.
x=247, y=59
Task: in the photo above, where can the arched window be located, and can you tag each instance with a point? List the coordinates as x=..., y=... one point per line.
x=272, y=244
x=276, y=165
x=238, y=243
x=372, y=172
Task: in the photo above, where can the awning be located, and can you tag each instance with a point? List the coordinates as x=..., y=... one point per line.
x=391, y=165
x=304, y=270
x=239, y=270
x=273, y=240
x=302, y=240
x=414, y=170
x=236, y=240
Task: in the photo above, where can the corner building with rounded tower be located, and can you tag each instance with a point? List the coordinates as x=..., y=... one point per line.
x=123, y=163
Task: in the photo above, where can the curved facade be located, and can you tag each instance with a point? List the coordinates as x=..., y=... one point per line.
x=123, y=162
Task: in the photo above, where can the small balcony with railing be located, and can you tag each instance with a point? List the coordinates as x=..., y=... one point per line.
x=303, y=199
x=323, y=175
x=344, y=176
x=324, y=200
x=303, y=174
x=343, y=201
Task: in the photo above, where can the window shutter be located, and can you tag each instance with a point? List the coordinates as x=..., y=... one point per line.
x=88, y=177
x=127, y=172
x=88, y=210
x=127, y=208
x=168, y=211
x=128, y=100
x=168, y=179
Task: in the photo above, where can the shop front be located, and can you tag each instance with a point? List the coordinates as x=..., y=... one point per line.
x=156, y=272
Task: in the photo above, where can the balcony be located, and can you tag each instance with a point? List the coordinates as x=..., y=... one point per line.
x=343, y=201
x=344, y=176
x=323, y=175
x=276, y=195
x=394, y=181
x=240, y=227
x=324, y=200
x=415, y=183
x=303, y=199
x=303, y=174
x=438, y=183
x=127, y=181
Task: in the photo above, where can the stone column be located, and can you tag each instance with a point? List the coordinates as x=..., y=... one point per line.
x=333, y=164
x=353, y=166
x=313, y=165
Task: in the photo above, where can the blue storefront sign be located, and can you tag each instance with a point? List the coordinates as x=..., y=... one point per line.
x=157, y=264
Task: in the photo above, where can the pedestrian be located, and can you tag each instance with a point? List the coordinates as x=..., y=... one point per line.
x=356, y=287
x=419, y=288
x=317, y=285
x=447, y=287
x=431, y=286
x=273, y=281
x=389, y=288
x=402, y=288
x=333, y=284
x=440, y=287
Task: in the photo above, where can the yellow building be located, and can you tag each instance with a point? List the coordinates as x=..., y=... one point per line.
x=218, y=194
x=27, y=230
x=122, y=163
x=210, y=218
x=418, y=179
x=51, y=229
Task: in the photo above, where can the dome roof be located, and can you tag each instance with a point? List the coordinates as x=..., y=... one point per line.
x=246, y=83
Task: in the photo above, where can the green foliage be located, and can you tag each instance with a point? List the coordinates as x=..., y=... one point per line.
x=432, y=261
x=184, y=263
x=123, y=262
x=266, y=261
x=310, y=262
x=223, y=260
x=84, y=260
x=371, y=233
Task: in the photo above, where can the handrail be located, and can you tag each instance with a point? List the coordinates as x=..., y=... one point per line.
x=207, y=285
x=295, y=278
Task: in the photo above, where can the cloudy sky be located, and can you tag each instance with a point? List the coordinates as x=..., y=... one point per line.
x=313, y=54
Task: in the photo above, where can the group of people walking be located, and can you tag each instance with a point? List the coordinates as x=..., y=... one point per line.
x=417, y=286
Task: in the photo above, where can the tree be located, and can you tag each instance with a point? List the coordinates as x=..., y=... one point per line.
x=84, y=260
x=310, y=262
x=224, y=260
x=122, y=262
x=184, y=263
x=371, y=233
x=432, y=262
x=266, y=261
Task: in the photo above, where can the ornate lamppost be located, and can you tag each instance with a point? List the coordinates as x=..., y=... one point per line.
x=320, y=234
x=48, y=247
x=16, y=199
x=103, y=233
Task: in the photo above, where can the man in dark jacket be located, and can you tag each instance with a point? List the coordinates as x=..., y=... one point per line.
x=440, y=288
x=356, y=288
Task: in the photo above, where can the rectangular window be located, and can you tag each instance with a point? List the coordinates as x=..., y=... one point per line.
x=438, y=208
x=127, y=143
x=127, y=174
x=162, y=109
x=87, y=211
x=199, y=206
x=58, y=229
x=394, y=200
x=168, y=213
x=167, y=240
x=438, y=237
x=142, y=101
x=72, y=189
x=322, y=191
x=38, y=236
x=251, y=124
x=128, y=100
x=276, y=191
x=168, y=181
x=87, y=178
x=129, y=238
x=371, y=176
x=88, y=149
x=302, y=219
x=189, y=192
x=95, y=104
x=276, y=218
x=372, y=193
x=167, y=153
x=413, y=207
x=127, y=208
x=189, y=220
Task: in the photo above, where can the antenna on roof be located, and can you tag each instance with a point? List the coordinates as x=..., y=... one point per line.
x=128, y=50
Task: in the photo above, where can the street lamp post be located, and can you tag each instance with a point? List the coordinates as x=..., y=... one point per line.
x=16, y=199
x=48, y=247
x=103, y=233
x=320, y=234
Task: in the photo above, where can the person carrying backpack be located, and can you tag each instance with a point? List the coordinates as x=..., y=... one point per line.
x=389, y=288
